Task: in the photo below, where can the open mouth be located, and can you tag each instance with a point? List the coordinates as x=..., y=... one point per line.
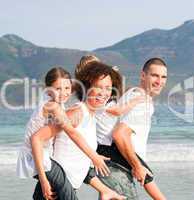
x=100, y=99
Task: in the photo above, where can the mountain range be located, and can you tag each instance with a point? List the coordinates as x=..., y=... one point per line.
x=20, y=58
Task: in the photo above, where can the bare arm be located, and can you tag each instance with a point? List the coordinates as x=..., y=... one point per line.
x=122, y=138
x=97, y=159
x=120, y=109
x=37, y=140
x=67, y=122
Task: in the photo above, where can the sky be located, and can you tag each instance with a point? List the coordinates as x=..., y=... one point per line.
x=89, y=24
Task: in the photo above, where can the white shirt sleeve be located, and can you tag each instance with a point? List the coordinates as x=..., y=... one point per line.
x=135, y=118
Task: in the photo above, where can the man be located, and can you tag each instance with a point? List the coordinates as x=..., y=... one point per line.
x=131, y=133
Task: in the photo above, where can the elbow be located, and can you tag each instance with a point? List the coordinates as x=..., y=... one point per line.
x=117, y=113
x=33, y=139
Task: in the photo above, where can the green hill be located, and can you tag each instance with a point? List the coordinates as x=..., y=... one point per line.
x=20, y=58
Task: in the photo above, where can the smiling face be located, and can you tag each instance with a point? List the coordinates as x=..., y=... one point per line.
x=99, y=92
x=154, y=79
x=62, y=89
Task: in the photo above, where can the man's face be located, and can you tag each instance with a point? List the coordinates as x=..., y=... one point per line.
x=154, y=80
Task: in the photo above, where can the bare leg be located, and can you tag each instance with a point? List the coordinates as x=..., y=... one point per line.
x=153, y=190
x=105, y=192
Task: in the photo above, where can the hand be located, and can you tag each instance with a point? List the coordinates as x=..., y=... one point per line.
x=100, y=165
x=140, y=174
x=47, y=190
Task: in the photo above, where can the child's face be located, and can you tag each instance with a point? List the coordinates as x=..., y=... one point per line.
x=100, y=92
x=62, y=90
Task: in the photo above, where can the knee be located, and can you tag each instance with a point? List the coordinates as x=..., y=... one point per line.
x=116, y=135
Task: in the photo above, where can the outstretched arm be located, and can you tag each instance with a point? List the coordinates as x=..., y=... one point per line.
x=122, y=108
x=68, y=121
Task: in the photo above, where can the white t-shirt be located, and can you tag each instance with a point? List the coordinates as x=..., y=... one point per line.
x=139, y=120
x=74, y=162
x=25, y=162
x=105, y=123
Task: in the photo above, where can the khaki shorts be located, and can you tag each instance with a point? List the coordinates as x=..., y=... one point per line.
x=120, y=180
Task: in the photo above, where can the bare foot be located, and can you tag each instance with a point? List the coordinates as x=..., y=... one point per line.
x=108, y=195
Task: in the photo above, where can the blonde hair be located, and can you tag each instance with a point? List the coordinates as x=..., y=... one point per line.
x=84, y=61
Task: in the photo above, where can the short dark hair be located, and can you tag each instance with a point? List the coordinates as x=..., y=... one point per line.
x=92, y=72
x=151, y=61
x=55, y=73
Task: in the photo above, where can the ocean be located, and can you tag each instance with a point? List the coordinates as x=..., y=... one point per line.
x=170, y=154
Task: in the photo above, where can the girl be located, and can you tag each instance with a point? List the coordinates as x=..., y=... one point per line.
x=34, y=158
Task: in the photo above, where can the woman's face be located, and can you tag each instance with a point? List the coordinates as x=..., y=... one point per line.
x=100, y=92
x=62, y=89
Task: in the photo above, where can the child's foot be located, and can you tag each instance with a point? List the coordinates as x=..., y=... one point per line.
x=112, y=195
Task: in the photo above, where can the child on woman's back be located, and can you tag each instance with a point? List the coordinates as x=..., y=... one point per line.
x=34, y=157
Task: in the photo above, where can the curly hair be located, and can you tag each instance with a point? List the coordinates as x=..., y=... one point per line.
x=94, y=71
x=84, y=61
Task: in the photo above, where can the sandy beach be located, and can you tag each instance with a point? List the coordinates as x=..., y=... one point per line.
x=170, y=155
x=176, y=180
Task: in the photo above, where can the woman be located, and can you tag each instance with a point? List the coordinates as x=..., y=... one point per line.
x=73, y=161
